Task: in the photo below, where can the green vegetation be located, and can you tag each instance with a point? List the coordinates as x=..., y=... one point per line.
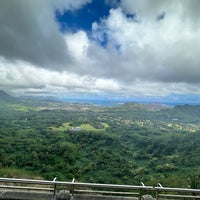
x=125, y=144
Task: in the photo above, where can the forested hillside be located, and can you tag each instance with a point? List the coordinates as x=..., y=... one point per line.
x=123, y=144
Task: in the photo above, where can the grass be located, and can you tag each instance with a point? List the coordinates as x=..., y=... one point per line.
x=87, y=127
x=64, y=127
x=23, y=108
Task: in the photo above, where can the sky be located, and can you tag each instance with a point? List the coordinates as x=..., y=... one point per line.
x=115, y=48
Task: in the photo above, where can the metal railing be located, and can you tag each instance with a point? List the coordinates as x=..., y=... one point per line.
x=183, y=193
x=158, y=192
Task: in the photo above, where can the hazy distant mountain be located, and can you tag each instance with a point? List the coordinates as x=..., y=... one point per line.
x=5, y=98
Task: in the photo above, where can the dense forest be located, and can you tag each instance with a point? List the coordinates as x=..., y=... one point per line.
x=122, y=144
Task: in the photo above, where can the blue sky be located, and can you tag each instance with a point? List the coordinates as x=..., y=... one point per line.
x=83, y=17
x=126, y=48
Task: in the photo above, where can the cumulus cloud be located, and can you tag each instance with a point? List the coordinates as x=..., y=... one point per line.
x=142, y=47
x=151, y=49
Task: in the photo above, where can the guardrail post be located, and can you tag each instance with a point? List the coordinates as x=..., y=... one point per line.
x=140, y=197
x=157, y=194
x=157, y=191
x=72, y=188
x=55, y=186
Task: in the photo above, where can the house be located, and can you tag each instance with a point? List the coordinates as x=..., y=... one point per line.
x=75, y=129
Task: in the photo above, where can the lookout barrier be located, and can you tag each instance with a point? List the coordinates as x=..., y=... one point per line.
x=72, y=190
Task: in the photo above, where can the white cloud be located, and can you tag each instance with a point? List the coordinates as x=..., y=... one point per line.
x=152, y=51
x=78, y=44
x=107, y=85
x=165, y=50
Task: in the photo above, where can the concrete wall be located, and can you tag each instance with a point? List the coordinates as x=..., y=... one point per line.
x=19, y=195
x=62, y=195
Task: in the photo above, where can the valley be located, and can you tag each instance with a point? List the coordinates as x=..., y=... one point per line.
x=122, y=144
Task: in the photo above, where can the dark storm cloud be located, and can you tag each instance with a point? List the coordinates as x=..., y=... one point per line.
x=29, y=32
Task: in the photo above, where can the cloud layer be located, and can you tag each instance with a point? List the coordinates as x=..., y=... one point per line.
x=141, y=48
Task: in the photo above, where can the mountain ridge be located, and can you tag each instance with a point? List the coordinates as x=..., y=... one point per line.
x=6, y=98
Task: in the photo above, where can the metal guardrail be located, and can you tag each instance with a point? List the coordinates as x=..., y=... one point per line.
x=73, y=187
x=159, y=192
x=183, y=193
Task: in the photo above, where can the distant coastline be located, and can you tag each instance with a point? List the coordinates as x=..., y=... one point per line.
x=120, y=102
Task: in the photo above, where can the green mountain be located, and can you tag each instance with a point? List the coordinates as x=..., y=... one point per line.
x=5, y=98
